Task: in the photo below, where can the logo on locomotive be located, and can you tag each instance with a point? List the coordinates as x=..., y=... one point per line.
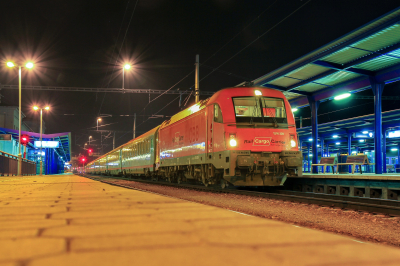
x=262, y=141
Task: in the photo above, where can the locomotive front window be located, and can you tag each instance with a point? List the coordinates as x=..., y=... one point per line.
x=264, y=110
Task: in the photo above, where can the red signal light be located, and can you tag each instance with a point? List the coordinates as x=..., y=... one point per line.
x=90, y=150
x=83, y=159
x=24, y=140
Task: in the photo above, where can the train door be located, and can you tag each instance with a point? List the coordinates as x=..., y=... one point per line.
x=210, y=131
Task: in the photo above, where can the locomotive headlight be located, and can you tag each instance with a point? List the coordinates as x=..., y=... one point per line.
x=233, y=142
x=293, y=143
x=257, y=93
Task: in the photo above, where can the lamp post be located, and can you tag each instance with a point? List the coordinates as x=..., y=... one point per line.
x=89, y=139
x=28, y=65
x=41, y=130
x=98, y=120
x=127, y=67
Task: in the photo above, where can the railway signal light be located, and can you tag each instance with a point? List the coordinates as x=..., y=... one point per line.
x=24, y=139
x=90, y=150
x=83, y=159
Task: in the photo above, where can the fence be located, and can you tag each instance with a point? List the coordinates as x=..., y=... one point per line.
x=9, y=165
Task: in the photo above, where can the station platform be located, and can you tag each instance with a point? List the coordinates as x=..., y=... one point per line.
x=369, y=176
x=72, y=220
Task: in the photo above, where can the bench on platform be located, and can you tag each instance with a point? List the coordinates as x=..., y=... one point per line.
x=354, y=160
x=327, y=161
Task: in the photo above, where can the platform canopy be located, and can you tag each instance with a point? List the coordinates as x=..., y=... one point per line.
x=344, y=65
x=359, y=127
x=64, y=149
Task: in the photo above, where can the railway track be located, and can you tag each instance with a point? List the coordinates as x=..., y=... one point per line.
x=389, y=207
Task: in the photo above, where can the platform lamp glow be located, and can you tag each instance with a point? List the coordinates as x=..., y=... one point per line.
x=98, y=120
x=47, y=108
x=127, y=67
x=28, y=65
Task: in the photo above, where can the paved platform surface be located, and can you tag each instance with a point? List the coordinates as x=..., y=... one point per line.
x=72, y=220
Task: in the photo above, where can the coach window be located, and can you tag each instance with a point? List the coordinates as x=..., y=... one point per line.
x=217, y=114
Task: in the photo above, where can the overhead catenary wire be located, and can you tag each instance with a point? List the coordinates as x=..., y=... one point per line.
x=216, y=52
x=119, y=53
x=226, y=61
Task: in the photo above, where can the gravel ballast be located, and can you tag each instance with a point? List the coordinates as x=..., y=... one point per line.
x=364, y=226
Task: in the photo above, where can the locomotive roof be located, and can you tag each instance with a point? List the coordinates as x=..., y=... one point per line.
x=226, y=92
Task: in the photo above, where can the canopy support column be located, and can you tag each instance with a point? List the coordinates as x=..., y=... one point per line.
x=377, y=89
x=322, y=147
x=349, y=147
x=308, y=157
x=314, y=125
x=384, y=149
x=398, y=153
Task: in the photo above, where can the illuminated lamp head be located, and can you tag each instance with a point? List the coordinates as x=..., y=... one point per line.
x=294, y=110
x=127, y=66
x=29, y=65
x=35, y=108
x=258, y=93
x=342, y=96
x=10, y=64
x=47, y=108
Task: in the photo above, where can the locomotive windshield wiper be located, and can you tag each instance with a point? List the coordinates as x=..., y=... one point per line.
x=270, y=113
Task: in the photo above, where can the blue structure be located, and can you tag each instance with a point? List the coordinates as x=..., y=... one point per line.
x=355, y=132
x=368, y=57
x=54, y=159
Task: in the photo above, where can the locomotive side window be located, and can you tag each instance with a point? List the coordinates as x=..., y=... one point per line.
x=217, y=114
x=264, y=110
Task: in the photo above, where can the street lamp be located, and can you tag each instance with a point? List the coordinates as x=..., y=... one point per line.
x=127, y=67
x=28, y=65
x=98, y=120
x=47, y=108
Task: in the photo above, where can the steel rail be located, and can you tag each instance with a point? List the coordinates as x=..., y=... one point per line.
x=390, y=207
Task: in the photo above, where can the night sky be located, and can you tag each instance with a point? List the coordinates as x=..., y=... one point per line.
x=82, y=43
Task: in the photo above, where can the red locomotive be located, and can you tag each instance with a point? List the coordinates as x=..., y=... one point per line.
x=239, y=136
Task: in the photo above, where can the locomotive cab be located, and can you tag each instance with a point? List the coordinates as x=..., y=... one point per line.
x=259, y=138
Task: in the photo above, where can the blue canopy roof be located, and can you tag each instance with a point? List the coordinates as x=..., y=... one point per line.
x=345, y=65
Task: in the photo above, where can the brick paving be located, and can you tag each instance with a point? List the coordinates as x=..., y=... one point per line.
x=72, y=220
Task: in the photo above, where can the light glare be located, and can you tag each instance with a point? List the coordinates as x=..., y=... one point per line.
x=293, y=143
x=29, y=65
x=294, y=110
x=127, y=66
x=342, y=96
x=10, y=64
x=35, y=108
x=233, y=142
x=257, y=93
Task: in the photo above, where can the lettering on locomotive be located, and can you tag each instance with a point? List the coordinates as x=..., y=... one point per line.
x=262, y=141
